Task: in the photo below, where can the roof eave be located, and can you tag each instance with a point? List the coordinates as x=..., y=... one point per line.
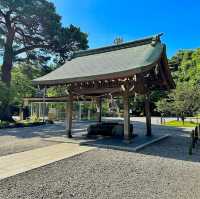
x=116, y=75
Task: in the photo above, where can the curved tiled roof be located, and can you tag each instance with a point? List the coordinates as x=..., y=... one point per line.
x=107, y=62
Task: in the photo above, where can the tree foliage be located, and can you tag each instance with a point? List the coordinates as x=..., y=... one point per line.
x=31, y=31
x=181, y=102
x=33, y=28
x=184, y=100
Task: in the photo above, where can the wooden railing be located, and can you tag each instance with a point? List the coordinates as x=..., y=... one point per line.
x=195, y=136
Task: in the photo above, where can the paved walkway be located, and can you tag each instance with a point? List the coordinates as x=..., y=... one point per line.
x=20, y=162
x=15, y=140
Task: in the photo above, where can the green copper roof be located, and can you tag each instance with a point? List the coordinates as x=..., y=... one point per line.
x=112, y=61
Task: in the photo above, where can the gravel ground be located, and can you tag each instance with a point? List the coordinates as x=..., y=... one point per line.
x=103, y=173
x=162, y=170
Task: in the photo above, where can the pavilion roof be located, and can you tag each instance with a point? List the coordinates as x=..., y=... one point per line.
x=116, y=61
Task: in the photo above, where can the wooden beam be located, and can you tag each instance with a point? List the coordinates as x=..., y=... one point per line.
x=80, y=111
x=96, y=91
x=99, y=108
x=55, y=99
x=148, y=114
x=127, y=133
x=140, y=84
x=163, y=75
x=69, y=116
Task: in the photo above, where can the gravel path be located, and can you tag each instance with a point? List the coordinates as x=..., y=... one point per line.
x=103, y=173
x=162, y=170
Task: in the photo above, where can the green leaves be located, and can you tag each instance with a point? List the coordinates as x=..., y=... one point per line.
x=184, y=100
x=38, y=30
x=31, y=32
x=21, y=85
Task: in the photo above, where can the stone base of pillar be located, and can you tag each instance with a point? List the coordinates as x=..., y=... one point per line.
x=69, y=133
x=148, y=115
x=148, y=134
x=127, y=141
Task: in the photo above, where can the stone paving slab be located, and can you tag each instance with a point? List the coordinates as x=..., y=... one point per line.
x=21, y=162
x=138, y=143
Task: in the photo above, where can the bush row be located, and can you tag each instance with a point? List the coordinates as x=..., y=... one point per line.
x=4, y=124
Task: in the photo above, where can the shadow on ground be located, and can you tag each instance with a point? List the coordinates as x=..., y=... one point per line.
x=44, y=131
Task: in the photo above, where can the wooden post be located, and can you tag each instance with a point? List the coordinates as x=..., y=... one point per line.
x=21, y=114
x=191, y=144
x=199, y=131
x=80, y=111
x=69, y=116
x=39, y=104
x=196, y=134
x=127, y=133
x=193, y=139
x=31, y=109
x=99, y=109
x=44, y=104
x=88, y=115
x=148, y=115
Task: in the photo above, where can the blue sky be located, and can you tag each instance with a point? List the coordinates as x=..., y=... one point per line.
x=104, y=20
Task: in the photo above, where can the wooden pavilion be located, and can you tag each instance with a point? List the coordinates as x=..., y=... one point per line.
x=121, y=70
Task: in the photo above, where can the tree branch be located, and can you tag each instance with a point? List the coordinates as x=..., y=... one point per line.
x=28, y=48
x=28, y=37
x=2, y=22
x=15, y=18
x=1, y=13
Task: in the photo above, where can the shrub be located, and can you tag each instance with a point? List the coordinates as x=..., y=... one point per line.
x=4, y=124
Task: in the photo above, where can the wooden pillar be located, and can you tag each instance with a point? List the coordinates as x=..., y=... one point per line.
x=39, y=114
x=31, y=109
x=80, y=111
x=21, y=114
x=69, y=116
x=44, y=104
x=148, y=115
x=88, y=114
x=127, y=133
x=99, y=109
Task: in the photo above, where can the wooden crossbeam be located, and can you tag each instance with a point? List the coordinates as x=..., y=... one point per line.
x=138, y=83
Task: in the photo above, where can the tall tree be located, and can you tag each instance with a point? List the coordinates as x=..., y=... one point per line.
x=181, y=102
x=31, y=29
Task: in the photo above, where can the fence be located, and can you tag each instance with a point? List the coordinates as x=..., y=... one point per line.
x=195, y=136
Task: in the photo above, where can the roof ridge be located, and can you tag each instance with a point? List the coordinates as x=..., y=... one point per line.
x=146, y=40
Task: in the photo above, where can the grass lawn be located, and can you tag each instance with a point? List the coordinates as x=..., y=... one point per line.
x=176, y=123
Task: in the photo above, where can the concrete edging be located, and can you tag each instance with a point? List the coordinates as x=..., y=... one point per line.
x=127, y=148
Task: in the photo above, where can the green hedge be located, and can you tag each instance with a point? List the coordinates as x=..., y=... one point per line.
x=4, y=124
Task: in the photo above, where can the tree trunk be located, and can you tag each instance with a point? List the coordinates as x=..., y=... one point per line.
x=7, y=61
x=6, y=77
x=183, y=119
